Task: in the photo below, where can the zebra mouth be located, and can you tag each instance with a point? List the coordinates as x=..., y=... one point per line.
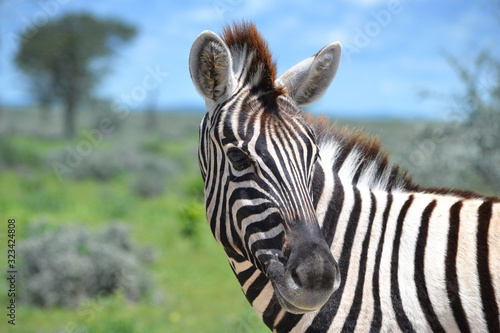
x=292, y=294
x=289, y=307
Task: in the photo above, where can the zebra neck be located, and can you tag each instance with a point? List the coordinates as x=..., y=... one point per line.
x=260, y=294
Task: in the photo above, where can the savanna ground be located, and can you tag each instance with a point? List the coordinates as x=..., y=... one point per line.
x=145, y=175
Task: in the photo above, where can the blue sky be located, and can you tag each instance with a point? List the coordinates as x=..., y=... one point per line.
x=391, y=49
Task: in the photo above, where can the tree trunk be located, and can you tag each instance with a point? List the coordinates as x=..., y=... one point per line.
x=69, y=117
x=44, y=114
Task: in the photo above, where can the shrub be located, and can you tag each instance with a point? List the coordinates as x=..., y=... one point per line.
x=153, y=145
x=151, y=176
x=13, y=155
x=192, y=216
x=64, y=266
x=100, y=165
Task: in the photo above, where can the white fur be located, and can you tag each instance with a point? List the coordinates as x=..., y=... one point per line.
x=366, y=312
x=353, y=271
x=327, y=155
x=435, y=269
x=468, y=278
x=262, y=301
x=389, y=318
x=406, y=264
x=494, y=241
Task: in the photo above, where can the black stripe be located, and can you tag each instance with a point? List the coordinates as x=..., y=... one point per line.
x=397, y=304
x=333, y=211
x=451, y=269
x=326, y=314
x=288, y=322
x=352, y=318
x=286, y=157
x=318, y=184
x=202, y=157
x=243, y=276
x=419, y=275
x=256, y=287
x=228, y=136
x=377, y=311
x=271, y=312
x=222, y=226
x=490, y=306
x=267, y=243
x=272, y=164
x=215, y=191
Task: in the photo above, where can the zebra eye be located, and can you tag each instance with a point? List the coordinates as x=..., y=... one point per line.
x=238, y=159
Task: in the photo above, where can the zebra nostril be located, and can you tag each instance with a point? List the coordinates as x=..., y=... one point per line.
x=295, y=277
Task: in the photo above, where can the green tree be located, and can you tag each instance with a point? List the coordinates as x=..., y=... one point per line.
x=64, y=59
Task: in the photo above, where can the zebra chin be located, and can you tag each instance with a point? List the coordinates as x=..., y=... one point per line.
x=305, y=281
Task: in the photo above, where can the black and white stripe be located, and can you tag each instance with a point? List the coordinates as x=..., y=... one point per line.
x=281, y=186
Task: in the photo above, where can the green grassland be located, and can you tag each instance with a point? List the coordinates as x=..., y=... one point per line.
x=147, y=177
x=193, y=288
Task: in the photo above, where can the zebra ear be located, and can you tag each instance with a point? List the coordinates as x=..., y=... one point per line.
x=307, y=81
x=211, y=66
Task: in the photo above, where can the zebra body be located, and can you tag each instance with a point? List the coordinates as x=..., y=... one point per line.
x=417, y=295
x=321, y=233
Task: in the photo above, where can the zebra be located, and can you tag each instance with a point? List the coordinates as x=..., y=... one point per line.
x=322, y=233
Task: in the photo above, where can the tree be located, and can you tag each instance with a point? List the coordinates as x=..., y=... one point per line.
x=470, y=145
x=64, y=59
x=465, y=151
x=481, y=108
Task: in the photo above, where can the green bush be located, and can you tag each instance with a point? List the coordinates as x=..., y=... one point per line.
x=13, y=155
x=99, y=165
x=64, y=266
x=192, y=215
x=151, y=176
x=153, y=145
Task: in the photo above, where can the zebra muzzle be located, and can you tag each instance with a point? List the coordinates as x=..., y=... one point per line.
x=308, y=278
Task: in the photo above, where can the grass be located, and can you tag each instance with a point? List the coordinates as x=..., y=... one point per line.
x=193, y=288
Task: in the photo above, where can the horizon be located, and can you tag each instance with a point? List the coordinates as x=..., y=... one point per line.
x=390, y=55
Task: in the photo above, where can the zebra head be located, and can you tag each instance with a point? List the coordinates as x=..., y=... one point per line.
x=257, y=157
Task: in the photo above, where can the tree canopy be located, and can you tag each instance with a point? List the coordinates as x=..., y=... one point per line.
x=64, y=58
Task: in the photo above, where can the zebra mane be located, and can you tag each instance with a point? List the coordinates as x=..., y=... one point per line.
x=358, y=157
x=252, y=60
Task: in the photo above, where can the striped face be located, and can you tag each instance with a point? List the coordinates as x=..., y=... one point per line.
x=257, y=162
x=257, y=157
